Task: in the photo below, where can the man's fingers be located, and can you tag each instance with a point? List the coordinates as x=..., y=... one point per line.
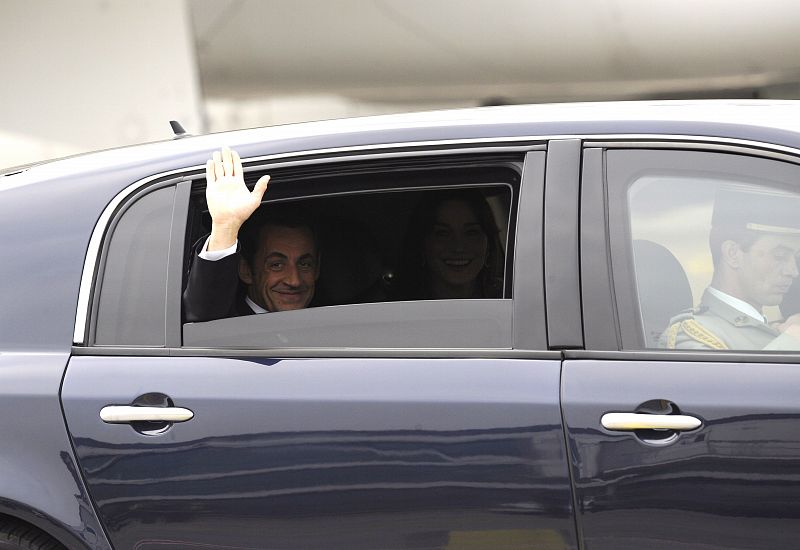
x=237, y=164
x=217, y=156
x=227, y=161
x=224, y=163
x=211, y=176
x=261, y=187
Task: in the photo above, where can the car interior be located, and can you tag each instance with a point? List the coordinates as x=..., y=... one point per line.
x=362, y=222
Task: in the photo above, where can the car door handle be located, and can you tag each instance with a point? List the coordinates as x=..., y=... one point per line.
x=636, y=421
x=122, y=414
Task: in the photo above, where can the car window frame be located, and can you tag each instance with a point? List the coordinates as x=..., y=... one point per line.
x=174, y=257
x=493, y=309
x=616, y=283
x=182, y=180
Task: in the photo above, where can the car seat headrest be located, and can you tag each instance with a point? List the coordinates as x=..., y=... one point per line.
x=662, y=286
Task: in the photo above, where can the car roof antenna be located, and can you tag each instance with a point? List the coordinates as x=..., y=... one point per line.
x=178, y=130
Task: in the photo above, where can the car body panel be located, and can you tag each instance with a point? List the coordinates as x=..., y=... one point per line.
x=41, y=483
x=327, y=453
x=730, y=484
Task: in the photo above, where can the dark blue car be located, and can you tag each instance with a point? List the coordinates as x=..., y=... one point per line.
x=631, y=381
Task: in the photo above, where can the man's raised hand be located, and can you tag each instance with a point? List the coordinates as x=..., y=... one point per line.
x=230, y=203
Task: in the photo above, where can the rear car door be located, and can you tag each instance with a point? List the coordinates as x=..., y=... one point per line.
x=411, y=424
x=712, y=455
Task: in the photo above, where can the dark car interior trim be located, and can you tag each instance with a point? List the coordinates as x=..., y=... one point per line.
x=601, y=330
x=561, y=262
x=393, y=175
x=622, y=279
x=529, y=321
x=175, y=271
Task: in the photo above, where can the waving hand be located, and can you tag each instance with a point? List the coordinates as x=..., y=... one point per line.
x=230, y=202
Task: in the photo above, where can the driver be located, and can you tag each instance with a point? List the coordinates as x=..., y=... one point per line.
x=755, y=242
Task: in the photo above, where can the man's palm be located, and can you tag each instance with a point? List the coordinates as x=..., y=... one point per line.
x=230, y=203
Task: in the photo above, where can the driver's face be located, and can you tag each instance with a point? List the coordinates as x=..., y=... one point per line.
x=768, y=268
x=285, y=269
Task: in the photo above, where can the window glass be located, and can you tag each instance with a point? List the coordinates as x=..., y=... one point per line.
x=715, y=260
x=369, y=242
x=133, y=292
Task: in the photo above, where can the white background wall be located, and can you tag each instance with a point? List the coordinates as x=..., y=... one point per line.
x=81, y=75
x=90, y=74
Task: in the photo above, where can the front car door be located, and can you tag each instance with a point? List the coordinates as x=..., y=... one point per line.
x=415, y=424
x=711, y=459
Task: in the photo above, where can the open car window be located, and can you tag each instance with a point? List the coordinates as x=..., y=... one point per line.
x=387, y=239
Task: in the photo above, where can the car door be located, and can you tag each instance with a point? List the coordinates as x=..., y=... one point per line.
x=710, y=457
x=416, y=424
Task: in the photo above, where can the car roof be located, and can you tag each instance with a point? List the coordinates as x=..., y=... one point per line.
x=771, y=121
x=778, y=114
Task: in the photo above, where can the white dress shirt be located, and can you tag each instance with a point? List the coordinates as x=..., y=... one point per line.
x=738, y=304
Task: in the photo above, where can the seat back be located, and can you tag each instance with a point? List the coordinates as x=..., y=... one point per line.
x=663, y=288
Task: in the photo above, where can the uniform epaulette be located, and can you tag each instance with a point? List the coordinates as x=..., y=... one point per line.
x=695, y=331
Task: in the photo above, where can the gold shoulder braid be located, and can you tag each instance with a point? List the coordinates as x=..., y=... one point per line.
x=672, y=335
x=698, y=332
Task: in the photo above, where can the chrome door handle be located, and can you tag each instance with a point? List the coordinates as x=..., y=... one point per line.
x=635, y=421
x=122, y=414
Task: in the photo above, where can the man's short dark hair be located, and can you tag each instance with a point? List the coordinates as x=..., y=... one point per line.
x=289, y=216
x=719, y=235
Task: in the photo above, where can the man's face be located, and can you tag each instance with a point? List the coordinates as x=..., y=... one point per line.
x=767, y=269
x=285, y=269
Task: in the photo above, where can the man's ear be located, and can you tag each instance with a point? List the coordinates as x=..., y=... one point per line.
x=245, y=274
x=732, y=254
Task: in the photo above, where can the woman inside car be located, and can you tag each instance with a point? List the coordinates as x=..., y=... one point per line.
x=452, y=249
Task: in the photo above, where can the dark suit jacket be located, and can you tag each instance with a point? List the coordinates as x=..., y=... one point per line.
x=213, y=290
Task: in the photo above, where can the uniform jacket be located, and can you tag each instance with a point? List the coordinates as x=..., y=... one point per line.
x=717, y=325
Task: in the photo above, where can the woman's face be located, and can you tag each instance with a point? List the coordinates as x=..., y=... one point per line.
x=455, y=249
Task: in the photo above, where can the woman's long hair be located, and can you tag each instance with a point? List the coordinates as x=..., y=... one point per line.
x=413, y=274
